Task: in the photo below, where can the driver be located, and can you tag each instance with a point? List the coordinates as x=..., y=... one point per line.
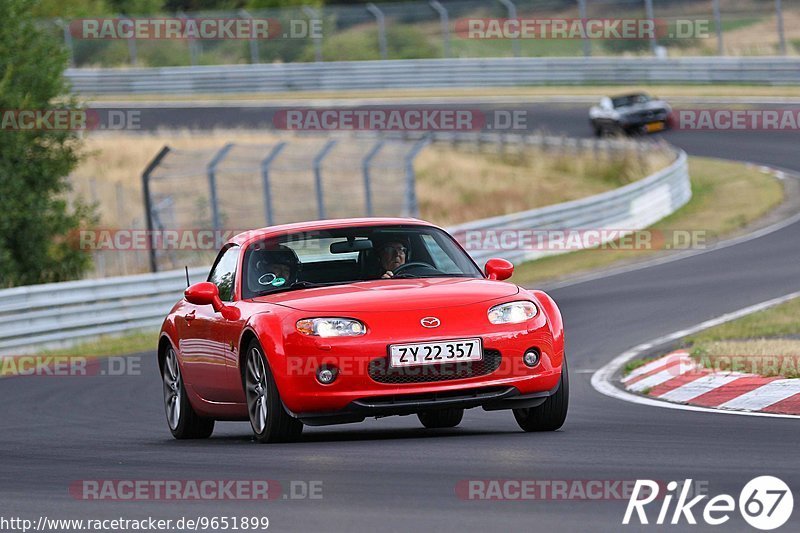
x=392, y=254
x=276, y=268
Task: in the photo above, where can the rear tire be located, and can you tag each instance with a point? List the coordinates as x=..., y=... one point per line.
x=441, y=418
x=183, y=421
x=268, y=418
x=552, y=413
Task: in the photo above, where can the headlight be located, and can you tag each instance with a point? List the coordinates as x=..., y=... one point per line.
x=331, y=327
x=512, y=312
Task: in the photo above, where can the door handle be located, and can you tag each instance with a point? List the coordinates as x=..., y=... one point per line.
x=189, y=317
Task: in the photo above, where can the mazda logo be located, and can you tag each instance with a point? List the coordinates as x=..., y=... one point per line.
x=430, y=322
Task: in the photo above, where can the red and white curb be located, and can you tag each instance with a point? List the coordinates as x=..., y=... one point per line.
x=605, y=380
x=676, y=377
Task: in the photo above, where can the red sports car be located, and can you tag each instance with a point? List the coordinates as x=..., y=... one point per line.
x=330, y=322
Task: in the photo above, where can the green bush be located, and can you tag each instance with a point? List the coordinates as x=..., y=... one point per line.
x=37, y=228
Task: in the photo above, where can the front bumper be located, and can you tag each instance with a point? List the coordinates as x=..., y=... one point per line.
x=358, y=392
x=490, y=398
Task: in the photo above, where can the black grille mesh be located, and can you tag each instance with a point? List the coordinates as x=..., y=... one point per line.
x=379, y=370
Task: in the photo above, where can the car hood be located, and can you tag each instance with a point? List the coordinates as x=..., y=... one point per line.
x=652, y=105
x=393, y=295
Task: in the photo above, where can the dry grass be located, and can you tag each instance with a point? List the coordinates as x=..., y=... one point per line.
x=453, y=185
x=726, y=197
x=761, y=38
x=456, y=185
x=766, y=343
x=766, y=357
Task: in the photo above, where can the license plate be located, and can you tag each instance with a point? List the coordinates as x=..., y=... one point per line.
x=431, y=353
x=655, y=126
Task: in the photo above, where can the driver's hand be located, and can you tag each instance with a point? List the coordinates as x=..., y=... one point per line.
x=388, y=274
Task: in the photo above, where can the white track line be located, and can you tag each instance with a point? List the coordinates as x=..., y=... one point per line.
x=698, y=387
x=765, y=395
x=603, y=380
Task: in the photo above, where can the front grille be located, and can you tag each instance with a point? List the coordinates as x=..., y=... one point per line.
x=379, y=370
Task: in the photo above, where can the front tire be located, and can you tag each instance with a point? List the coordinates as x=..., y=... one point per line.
x=552, y=413
x=441, y=418
x=183, y=421
x=268, y=418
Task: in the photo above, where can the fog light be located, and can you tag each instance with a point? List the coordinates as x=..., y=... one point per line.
x=531, y=358
x=326, y=375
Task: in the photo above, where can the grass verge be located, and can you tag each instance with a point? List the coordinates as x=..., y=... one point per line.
x=555, y=91
x=726, y=197
x=108, y=345
x=765, y=343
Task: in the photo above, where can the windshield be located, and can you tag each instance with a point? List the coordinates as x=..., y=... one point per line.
x=631, y=99
x=348, y=255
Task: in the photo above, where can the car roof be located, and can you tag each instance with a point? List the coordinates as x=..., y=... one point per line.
x=247, y=237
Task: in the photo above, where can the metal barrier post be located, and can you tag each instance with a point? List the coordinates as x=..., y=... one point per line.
x=212, y=185
x=648, y=8
x=265, y=180
x=411, y=208
x=131, y=46
x=381, y=20
x=781, y=34
x=254, y=59
x=512, y=14
x=67, y=40
x=192, y=43
x=318, y=175
x=587, y=45
x=445, y=20
x=718, y=22
x=148, y=214
x=365, y=164
x=313, y=14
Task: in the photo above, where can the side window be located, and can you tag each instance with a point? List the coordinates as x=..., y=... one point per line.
x=223, y=273
x=442, y=261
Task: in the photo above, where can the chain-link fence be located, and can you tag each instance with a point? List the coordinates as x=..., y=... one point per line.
x=199, y=198
x=435, y=29
x=240, y=187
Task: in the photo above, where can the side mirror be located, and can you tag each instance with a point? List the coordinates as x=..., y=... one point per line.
x=605, y=104
x=498, y=269
x=206, y=293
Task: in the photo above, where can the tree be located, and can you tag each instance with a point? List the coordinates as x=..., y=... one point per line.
x=38, y=229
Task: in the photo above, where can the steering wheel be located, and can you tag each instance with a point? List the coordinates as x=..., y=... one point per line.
x=270, y=279
x=413, y=264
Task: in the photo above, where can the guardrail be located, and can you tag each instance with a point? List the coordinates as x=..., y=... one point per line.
x=435, y=73
x=62, y=313
x=626, y=209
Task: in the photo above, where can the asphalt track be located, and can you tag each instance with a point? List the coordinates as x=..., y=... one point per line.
x=391, y=475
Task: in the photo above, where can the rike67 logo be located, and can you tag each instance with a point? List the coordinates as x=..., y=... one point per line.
x=765, y=503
